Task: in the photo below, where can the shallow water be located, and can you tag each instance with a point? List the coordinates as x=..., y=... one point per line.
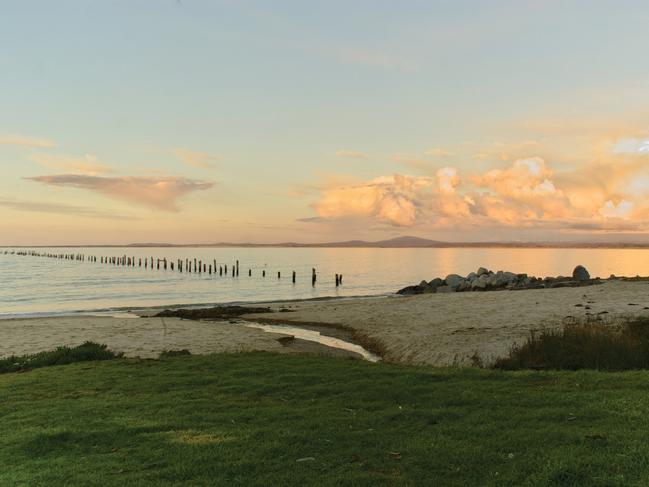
x=315, y=336
x=33, y=285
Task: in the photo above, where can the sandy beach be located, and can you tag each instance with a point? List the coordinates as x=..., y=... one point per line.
x=144, y=337
x=435, y=329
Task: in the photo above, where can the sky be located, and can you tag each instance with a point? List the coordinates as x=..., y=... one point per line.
x=198, y=121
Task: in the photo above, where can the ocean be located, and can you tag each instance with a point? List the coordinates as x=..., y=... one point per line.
x=32, y=286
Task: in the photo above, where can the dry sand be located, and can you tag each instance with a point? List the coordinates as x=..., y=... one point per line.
x=436, y=329
x=143, y=337
x=445, y=329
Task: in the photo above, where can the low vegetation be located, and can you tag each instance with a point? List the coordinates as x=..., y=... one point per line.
x=265, y=419
x=85, y=352
x=594, y=345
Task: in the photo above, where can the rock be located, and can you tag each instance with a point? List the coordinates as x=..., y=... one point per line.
x=437, y=282
x=580, y=274
x=482, y=271
x=453, y=280
x=463, y=286
x=409, y=291
x=480, y=282
x=472, y=276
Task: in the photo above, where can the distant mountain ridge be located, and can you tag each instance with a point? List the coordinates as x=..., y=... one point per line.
x=407, y=242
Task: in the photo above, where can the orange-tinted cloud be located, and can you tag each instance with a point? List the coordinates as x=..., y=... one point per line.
x=61, y=209
x=201, y=160
x=88, y=164
x=24, y=141
x=160, y=193
x=526, y=193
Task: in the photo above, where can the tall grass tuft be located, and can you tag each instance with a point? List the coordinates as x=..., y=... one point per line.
x=85, y=352
x=592, y=345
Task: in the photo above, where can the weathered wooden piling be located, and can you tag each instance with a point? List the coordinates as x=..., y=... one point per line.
x=313, y=277
x=293, y=278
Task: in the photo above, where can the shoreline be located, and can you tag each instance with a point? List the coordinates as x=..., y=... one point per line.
x=157, y=308
x=437, y=329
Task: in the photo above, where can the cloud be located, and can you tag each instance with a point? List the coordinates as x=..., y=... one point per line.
x=61, y=209
x=89, y=164
x=391, y=199
x=201, y=160
x=527, y=193
x=313, y=219
x=632, y=146
x=159, y=193
x=24, y=141
x=351, y=154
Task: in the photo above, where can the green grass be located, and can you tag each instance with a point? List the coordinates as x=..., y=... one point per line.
x=590, y=345
x=246, y=419
x=86, y=352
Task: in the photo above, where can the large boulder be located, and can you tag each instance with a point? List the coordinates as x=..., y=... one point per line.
x=437, y=282
x=480, y=283
x=453, y=280
x=580, y=274
x=482, y=271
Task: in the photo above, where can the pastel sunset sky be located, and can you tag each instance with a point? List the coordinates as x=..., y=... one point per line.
x=201, y=121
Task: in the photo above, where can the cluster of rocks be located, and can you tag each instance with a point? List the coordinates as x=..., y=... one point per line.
x=486, y=280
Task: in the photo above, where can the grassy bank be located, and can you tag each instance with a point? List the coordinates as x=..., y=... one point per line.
x=265, y=419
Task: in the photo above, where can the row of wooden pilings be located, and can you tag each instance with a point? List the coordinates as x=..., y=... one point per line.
x=197, y=266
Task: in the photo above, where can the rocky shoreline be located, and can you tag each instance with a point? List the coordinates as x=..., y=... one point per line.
x=486, y=280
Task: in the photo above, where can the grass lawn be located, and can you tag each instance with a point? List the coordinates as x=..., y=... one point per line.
x=265, y=419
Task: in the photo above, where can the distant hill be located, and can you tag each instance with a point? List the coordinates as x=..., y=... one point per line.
x=408, y=242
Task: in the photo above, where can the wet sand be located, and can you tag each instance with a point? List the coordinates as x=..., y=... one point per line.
x=435, y=329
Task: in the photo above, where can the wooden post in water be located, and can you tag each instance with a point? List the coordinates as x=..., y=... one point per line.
x=279, y=275
x=293, y=277
x=249, y=272
x=263, y=273
x=237, y=268
x=337, y=283
x=210, y=269
x=234, y=270
x=220, y=270
x=313, y=277
x=172, y=265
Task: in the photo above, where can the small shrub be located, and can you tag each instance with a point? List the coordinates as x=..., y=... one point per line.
x=88, y=351
x=174, y=353
x=584, y=346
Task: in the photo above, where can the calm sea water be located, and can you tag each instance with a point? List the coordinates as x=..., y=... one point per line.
x=32, y=285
